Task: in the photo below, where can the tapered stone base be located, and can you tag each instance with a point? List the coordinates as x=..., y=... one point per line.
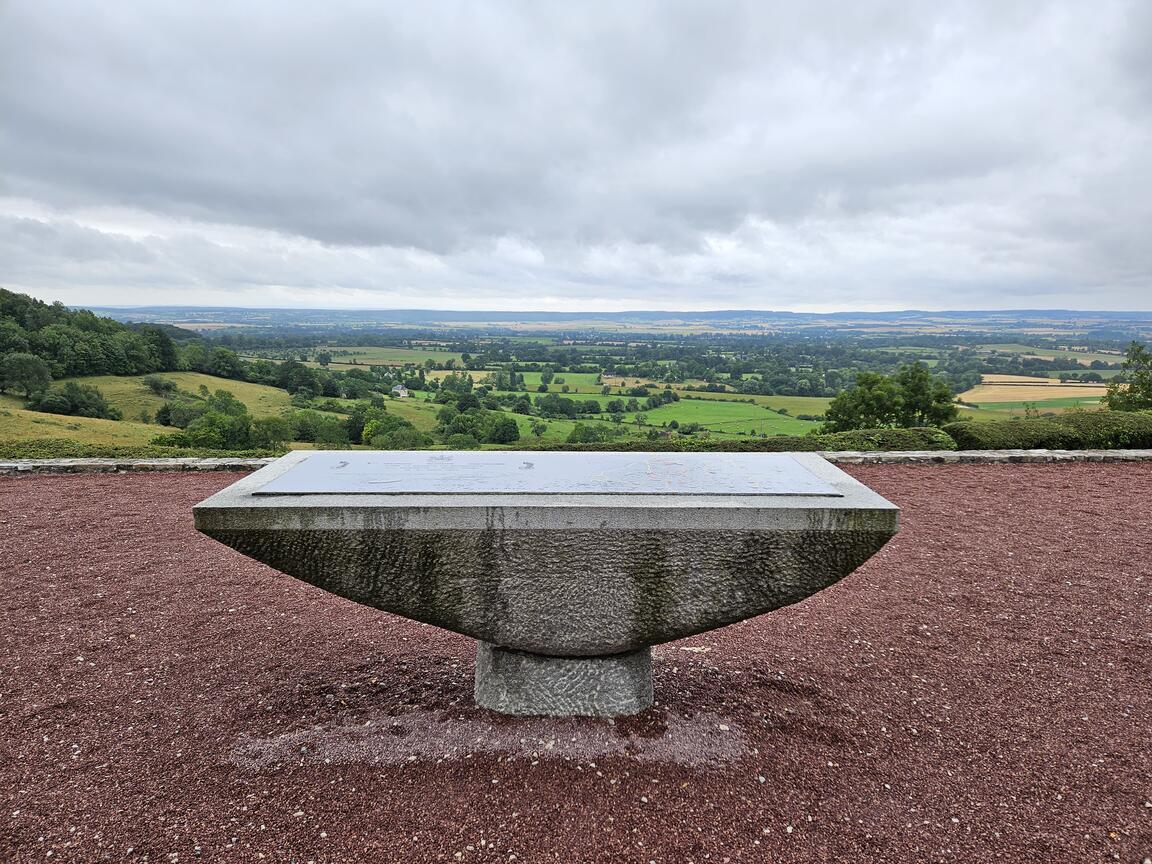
x=517, y=682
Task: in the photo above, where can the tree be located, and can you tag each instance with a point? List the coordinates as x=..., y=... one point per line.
x=271, y=433
x=874, y=402
x=538, y=426
x=925, y=400
x=911, y=397
x=504, y=431
x=26, y=372
x=1137, y=395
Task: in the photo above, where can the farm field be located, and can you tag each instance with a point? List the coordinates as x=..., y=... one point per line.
x=813, y=405
x=1078, y=357
x=1014, y=394
x=389, y=356
x=731, y=417
x=578, y=382
x=988, y=393
x=1035, y=380
x=1054, y=405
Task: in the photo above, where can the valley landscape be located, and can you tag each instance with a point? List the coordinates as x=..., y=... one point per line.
x=758, y=377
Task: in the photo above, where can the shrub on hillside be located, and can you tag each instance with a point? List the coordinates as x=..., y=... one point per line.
x=76, y=400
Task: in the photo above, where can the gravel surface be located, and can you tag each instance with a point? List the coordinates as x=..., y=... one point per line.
x=979, y=691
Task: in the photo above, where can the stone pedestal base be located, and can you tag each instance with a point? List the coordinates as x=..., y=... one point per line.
x=516, y=682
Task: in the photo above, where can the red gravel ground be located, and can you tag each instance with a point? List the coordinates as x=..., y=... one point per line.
x=979, y=691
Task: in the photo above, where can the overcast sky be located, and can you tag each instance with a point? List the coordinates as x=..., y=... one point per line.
x=805, y=156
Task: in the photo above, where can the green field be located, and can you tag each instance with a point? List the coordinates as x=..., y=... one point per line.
x=578, y=382
x=730, y=417
x=389, y=356
x=814, y=405
x=1019, y=407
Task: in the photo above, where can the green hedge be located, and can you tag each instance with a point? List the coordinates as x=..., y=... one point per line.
x=1013, y=435
x=861, y=439
x=1075, y=430
x=63, y=448
x=1106, y=430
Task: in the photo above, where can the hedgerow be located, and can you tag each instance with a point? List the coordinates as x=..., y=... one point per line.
x=860, y=439
x=1074, y=430
x=63, y=448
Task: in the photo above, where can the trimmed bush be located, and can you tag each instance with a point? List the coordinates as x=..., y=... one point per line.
x=862, y=439
x=888, y=439
x=1106, y=430
x=1074, y=430
x=1013, y=435
x=63, y=448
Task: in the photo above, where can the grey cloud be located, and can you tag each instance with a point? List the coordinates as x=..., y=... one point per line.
x=742, y=153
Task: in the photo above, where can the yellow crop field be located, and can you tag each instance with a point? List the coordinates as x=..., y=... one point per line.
x=1002, y=392
x=1018, y=379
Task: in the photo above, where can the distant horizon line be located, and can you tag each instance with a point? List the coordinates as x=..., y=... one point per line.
x=606, y=312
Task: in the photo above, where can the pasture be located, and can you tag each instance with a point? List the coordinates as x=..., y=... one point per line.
x=730, y=417
x=343, y=356
x=130, y=394
x=577, y=382
x=17, y=424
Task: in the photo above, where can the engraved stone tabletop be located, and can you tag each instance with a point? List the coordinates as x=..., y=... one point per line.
x=543, y=473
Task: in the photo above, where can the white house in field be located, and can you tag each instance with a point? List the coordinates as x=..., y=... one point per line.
x=400, y=391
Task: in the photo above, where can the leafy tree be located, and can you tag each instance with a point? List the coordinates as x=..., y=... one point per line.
x=874, y=402
x=538, y=427
x=401, y=438
x=912, y=397
x=26, y=372
x=216, y=430
x=1137, y=395
x=504, y=431
x=925, y=400
x=271, y=433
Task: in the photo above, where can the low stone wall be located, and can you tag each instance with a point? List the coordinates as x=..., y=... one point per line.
x=911, y=457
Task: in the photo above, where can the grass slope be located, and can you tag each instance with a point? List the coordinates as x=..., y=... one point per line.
x=130, y=395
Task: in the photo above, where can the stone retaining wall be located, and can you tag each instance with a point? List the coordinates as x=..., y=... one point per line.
x=911, y=457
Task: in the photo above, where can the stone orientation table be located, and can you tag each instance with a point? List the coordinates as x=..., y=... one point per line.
x=565, y=567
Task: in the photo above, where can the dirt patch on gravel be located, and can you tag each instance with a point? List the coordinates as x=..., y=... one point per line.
x=979, y=691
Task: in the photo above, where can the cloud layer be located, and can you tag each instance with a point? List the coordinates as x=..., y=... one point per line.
x=518, y=155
